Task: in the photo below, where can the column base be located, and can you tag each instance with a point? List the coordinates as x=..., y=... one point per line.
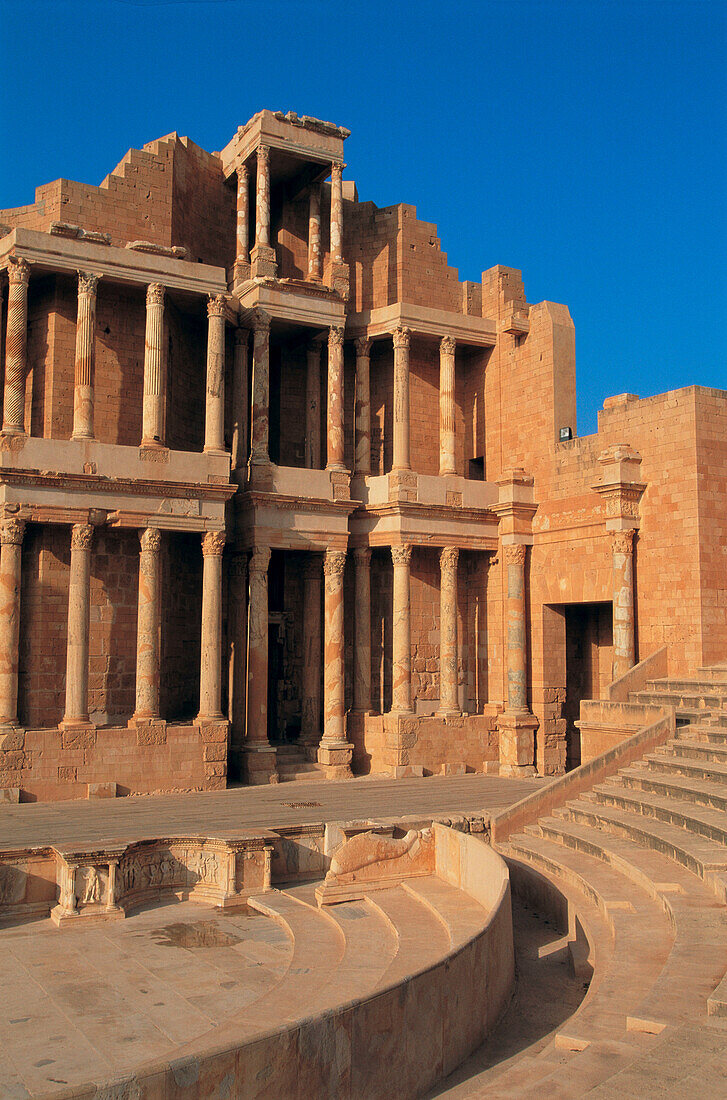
x=447, y=712
x=241, y=272
x=149, y=731
x=336, y=758
x=263, y=263
x=260, y=475
x=339, y=279
x=260, y=765
x=517, y=742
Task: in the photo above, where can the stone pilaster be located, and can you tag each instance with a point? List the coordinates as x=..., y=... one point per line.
x=242, y=245
x=313, y=404
x=337, y=211
x=362, y=455
x=315, y=256
x=210, y=677
x=446, y=407
x=240, y=412
x=147, y=626
x=259, y=443
x=517, y=725
x=448, y=648
x=335, y=459
x=83, y=395
x=263, y=255
x=362, y=627
x=214, y=425
x=402, y=340
x=153, y=410
x=238, y=658
x=335, y=752
x=16, y=343
x=11, y=541
x=401, y=632
x=310, y=733
x=624, y=647
x=79, y=599
x=259, y=755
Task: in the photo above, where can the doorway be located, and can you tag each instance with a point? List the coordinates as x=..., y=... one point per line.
x=588, y=657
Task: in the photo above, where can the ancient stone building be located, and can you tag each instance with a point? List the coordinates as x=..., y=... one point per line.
x=281, y=495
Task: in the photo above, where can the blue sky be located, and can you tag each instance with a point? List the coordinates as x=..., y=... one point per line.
x=581, y=142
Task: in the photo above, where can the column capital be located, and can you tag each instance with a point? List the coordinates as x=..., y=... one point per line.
x=81, y=536
x=448, y=558
x=363, y=347
x=263, y=154
x=151, y=540
x=12, y=531
x=447, y=345
x=362, y=555
x=242, y=335
x=311, y=568
x=243, y=173
x=216, y=305
x=337, y=167
x=260, y=320
x=259, y=560
x=514, y=553
x=335, y=336
x=155, y=294
x=401, y=336
x=213, y=544
x=87, y=282
x=315, y=344
x=334, y=563
x=401, y=555
x=622, y=542
x=18, y=270
x=238, y=566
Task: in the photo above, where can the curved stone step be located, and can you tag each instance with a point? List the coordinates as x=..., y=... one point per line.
x=701, y=821
x=682, y=700
x=700, y=733
x=462, y=916
x=422, y=936
x=716, y=753
x=693, y=685
x=690, y=767
x=681, y=787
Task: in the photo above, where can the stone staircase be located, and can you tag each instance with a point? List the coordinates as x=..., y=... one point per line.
x=293, y=764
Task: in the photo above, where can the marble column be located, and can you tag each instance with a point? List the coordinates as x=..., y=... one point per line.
x=242, y=245
x=401, y=632
x=446, y=406
x=240, y=413
x=11, y=541
x=334, y=750
x=83, y=395
x=214, y=426
x=79, y=599
x=311, y=702
x=262, y=198
x=402, y=339
x=514, y=556
x=153, y=410
x=259, y=443
x=448, y=648
x=337, y=212
x=147, y=626
x=362, y=457
x=257, y=648
x=362, y=627
x=313, y=404
x=210, y=676
x=622, y=548
x=335, y=399
x=16, y=343
x=314, y=234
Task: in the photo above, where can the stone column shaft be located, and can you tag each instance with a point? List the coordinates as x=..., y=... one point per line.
x=259, y=444
x=11, y=538
x=79, y=599
x=262, y=198
x=313, y=405
x=257, y=648
x=238, y=649
x=153, y=411
x=517, y=700
x=210, y=678
x=147, y=628
x=334, y=710
x=401, y=631
x=624, y=646
x=314, y=235
x=362, y=626
x=16, y=347
x=243, y=213
x=362, y=460
x=401, y=400
x=448, y=649
x=83, y=396
x=240, y=414
x=335, y=399
x=311, y=702
x=337, y=211
x=214, y=427
x=446, y=406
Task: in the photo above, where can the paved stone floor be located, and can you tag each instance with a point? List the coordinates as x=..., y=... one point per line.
x=239, y=808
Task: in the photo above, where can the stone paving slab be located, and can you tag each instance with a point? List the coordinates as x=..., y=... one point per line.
x=237, y=809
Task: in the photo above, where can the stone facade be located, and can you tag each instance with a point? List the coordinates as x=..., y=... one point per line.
x=281, y=494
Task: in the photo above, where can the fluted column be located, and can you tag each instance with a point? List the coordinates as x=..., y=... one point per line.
x=313, y=404
x=83, y=395
x=624, y=647
x=402, y=337
x=242, y=250
x=362, y=627
x=257, y=647
x=446, y=406
x=214, y=426
x=262, y=198
x=335, y=399
x=147, y=626
x=311, y=701
x=515, y=556
x=153, y=411
x=448, y=649
x=16, y=346
x=11, y=541
x=79, y=598
x=240, y=400
x=401, y=631
x=259, y=443
x=334, y=727
x=362, y=459
x=314, y=234
x=337, y=211
x=210, y=677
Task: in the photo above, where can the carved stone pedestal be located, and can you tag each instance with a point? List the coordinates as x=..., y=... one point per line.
x=336, y=760
x=263, y=262
x=517, y=743
x=260, y=765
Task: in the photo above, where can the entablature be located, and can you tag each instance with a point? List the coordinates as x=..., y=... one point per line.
x=466, y=329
